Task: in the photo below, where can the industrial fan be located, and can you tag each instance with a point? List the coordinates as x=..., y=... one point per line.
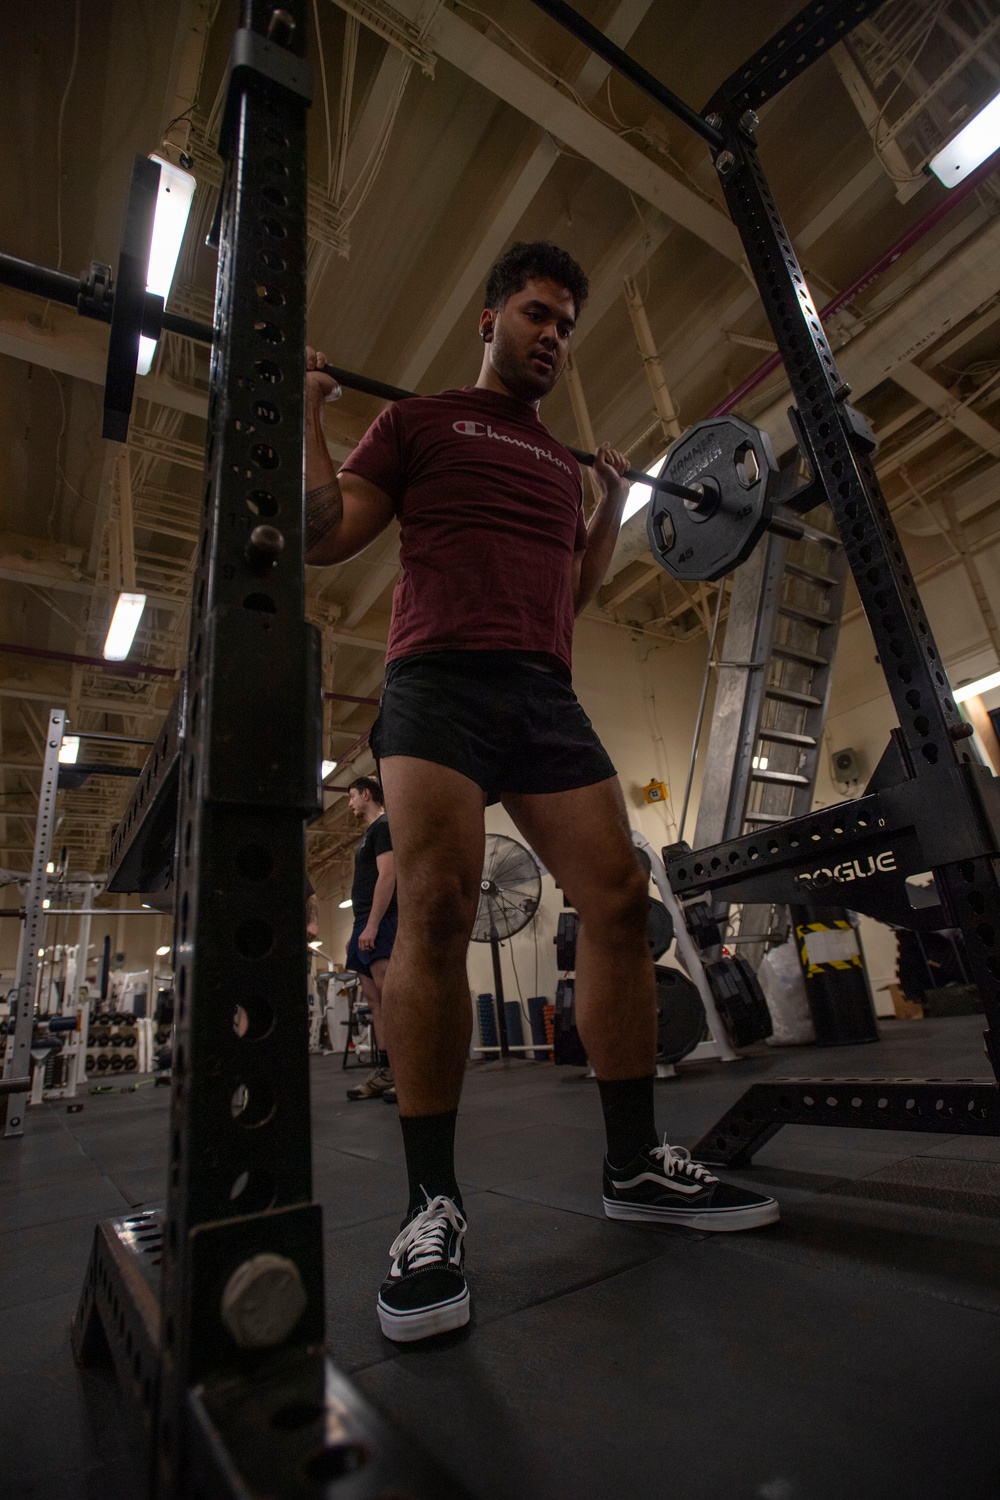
x=509, y=893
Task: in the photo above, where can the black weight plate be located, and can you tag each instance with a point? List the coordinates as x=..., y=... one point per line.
x=734, y=463
x=565, y=940
x=702, y=924
x=659, y=928
x=680, y=1015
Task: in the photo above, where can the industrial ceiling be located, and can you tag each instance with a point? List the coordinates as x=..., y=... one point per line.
x=440, y=132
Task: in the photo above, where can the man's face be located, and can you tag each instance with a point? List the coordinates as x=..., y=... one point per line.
x=530, y=337
x=356, y=800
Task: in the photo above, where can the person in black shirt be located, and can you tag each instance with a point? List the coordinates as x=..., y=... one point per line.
x=373, y=897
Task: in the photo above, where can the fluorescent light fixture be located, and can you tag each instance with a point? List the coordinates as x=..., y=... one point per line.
x=50, y=868
x=970, y=147
x=69, y=750
x=315, y=943
x=344, y=904
x=173, y=204
x=326, y=768
x=41, y=953
x=46, y=904
x=760, y=763
x=973, y=689
x=124, y=624
x=162, y=951
x=640, y=494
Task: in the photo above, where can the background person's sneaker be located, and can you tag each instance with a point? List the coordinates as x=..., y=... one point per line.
x=664, y=1186
x=425, y=1291
x=374, y=1086
x=389, y=1097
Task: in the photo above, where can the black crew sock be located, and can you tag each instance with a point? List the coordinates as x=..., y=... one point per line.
x=383, y=1058
x=429, y=1143
x=629, y=1117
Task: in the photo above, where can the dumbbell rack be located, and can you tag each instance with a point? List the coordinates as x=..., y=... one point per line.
x=118, y=1045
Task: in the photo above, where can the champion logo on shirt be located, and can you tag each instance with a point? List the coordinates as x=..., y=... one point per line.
x=483, y=429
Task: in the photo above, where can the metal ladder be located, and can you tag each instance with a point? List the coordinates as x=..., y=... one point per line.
x=771, y=699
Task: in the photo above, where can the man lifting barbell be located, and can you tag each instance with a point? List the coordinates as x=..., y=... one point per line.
x=478, y=707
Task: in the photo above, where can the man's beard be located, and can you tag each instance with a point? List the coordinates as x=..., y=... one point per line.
x=522, y=381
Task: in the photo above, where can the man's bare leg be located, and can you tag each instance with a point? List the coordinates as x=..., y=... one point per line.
x=379, y=1081
x=373, y=998
x=438, y=839
x=436, y=817
x=582, y=837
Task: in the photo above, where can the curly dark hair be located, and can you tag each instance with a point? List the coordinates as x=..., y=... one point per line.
x=522, y=261
x=370, y=785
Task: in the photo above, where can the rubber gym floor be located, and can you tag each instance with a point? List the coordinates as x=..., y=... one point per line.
x=852, y=1351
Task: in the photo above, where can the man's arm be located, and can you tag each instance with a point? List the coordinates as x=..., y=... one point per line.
x=590, y=566
x=384, y=887
x=343, y=513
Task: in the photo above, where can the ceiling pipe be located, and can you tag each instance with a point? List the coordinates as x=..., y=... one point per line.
x=905, y=242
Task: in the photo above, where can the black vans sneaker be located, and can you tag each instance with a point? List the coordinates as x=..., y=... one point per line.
x=425, y=1291
x=664, y=1186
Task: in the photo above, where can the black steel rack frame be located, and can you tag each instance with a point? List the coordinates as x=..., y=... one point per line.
x=930, y=805
x=214, y=1312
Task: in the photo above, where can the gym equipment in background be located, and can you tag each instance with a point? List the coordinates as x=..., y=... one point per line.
x=509, y=893
x=833, y=967
x=929, y=804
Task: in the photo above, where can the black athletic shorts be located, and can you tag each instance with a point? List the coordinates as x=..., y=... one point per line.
x=509, y=722
x=360, y=963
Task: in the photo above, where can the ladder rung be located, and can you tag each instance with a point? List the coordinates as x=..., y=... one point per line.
x=810, y=575
x=780, y=778
x=797, y=653
x=787, y=737
x=810, y=616
x=762, y=817
x=788, y=695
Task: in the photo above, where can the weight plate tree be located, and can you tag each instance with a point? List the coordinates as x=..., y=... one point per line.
x=928, y=796
x=229, y=1379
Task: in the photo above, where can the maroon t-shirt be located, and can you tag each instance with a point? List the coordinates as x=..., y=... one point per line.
x=490, y=513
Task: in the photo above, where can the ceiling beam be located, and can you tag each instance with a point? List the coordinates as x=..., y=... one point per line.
x=956, y=413
x=510, y=205
x=489, y=65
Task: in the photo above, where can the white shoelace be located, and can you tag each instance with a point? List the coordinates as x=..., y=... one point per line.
x=677, y=1160
x=425, y=1234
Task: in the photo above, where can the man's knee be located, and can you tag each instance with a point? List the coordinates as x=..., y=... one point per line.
x=617, y=908
x=439, y=914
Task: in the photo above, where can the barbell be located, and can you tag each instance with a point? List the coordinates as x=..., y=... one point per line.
x=711, y=502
